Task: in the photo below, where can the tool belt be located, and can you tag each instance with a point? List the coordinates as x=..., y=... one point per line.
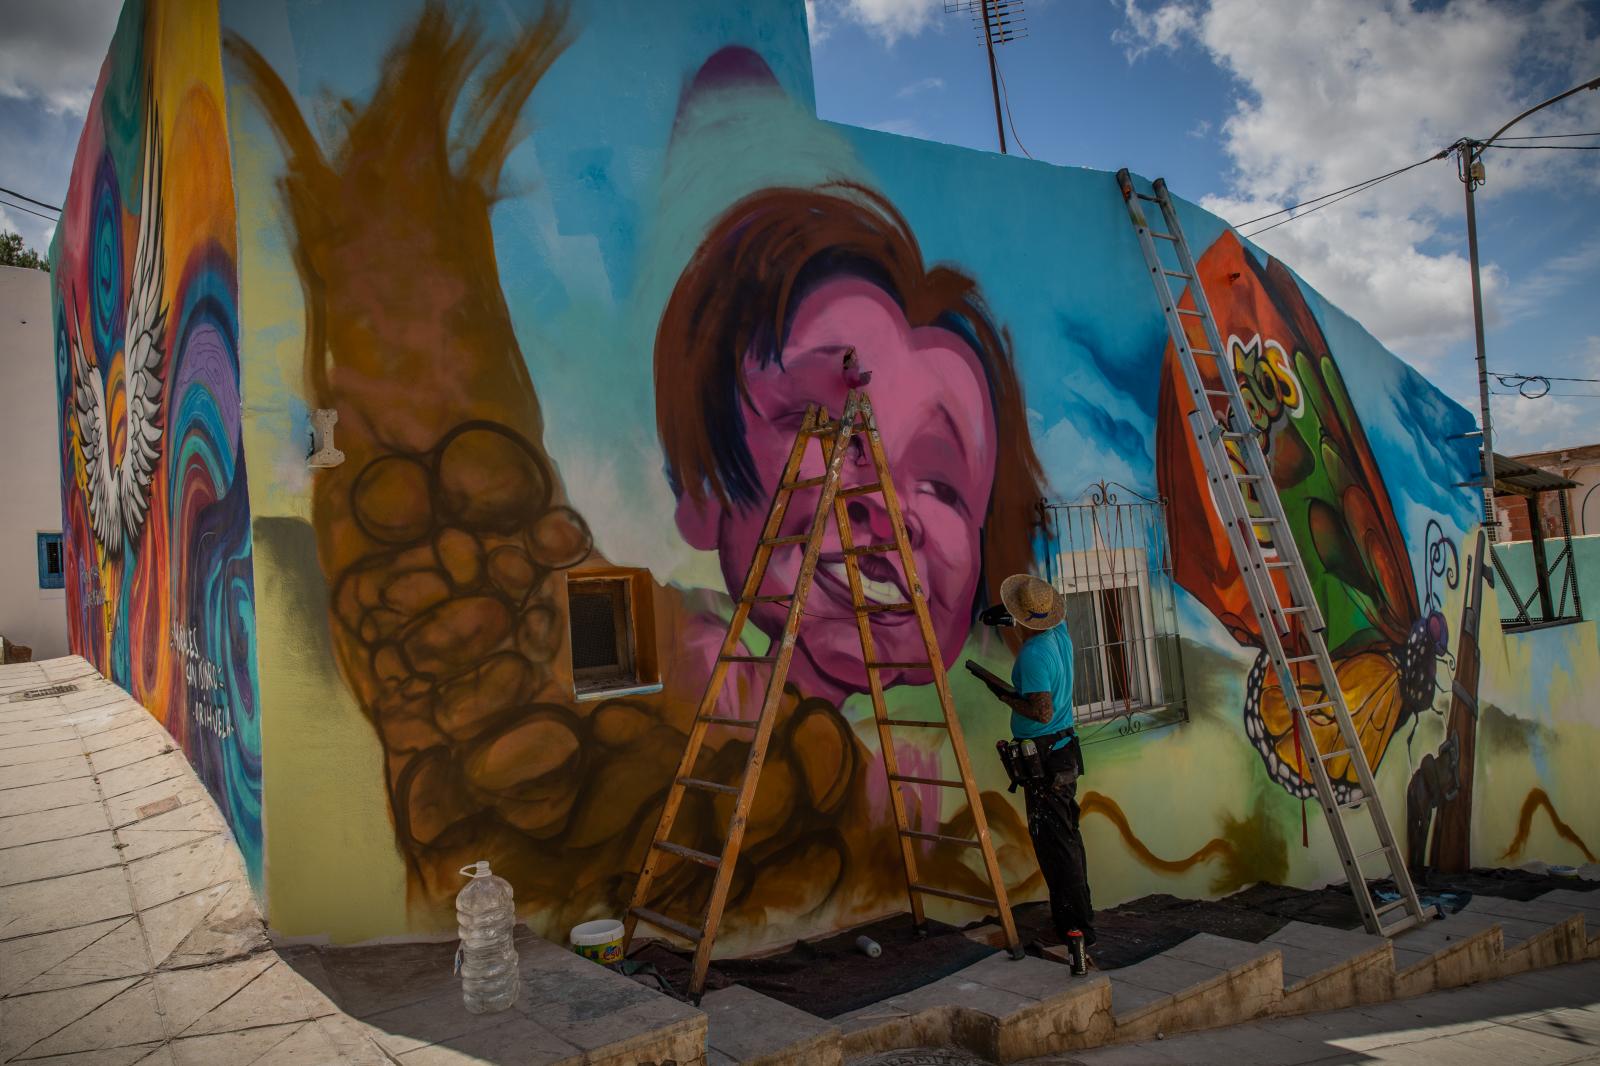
x=1049, y=758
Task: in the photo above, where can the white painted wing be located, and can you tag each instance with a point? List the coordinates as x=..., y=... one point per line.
x=144, y=341
x=89, y=400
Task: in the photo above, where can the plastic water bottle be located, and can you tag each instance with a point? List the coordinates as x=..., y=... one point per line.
x=487, y=957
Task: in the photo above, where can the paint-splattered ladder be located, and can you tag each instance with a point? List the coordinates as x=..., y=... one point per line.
x=1218, y=421
x=855, y=425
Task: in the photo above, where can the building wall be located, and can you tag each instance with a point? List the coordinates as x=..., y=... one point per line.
x=161, y=592
x=536, y=259
x=29, y=614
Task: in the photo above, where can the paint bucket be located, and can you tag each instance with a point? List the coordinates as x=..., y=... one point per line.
x=599, y=941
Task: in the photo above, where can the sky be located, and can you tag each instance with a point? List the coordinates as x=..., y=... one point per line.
x=1244, y=107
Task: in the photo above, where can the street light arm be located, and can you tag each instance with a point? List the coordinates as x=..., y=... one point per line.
x=1593, y=83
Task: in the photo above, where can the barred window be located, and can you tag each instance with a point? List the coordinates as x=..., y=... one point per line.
x=1110, y=562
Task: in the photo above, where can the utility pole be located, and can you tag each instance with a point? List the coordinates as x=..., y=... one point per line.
x=1469, y=162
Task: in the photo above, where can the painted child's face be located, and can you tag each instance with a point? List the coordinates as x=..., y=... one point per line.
x=933, y=413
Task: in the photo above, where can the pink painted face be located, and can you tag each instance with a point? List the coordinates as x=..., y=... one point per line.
x=932, y=405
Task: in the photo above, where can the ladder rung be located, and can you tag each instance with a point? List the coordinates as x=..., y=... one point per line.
x=1223, y=392
x=935, y=724
x=1177, y=274
x=909, y=780
x=1327, y=755
x=688, y=932
x=1203, y=351
x=1226, y=434
x=1354, y=801
x=707, y=786
x=716, y=719
x=872, y=549
x=691, y=854
x=1163, y=236
x=1301, y=659
x=1247, y=477
x=780, y=598
x=1191, y=314
x=748, y=658
x=1363, y=857
x=1318, y=706
x=798, y=538
x=822, y=429
x=1279, y=564
x=1392, y=905
x=879, y=608
x=875, y=665
x=804, y=483
x=861, y=490
x=941, y=838
x=1147, y=198
x=1294, y=608
x=1409, y=921
x=947, y=893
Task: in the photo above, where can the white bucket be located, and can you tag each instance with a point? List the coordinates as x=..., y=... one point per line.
x=599, y=940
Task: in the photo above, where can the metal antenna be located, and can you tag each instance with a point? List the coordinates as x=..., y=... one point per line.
x=1001, y=22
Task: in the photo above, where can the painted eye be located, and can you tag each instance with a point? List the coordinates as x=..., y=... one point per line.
x=946, y=494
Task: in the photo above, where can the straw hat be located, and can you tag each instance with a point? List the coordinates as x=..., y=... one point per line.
x=1032, y=601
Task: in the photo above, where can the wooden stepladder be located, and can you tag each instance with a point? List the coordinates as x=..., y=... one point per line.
x=835, y=437
x=1283, y=613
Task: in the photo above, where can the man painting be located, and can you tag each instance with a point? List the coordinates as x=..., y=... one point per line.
x=1041, y=711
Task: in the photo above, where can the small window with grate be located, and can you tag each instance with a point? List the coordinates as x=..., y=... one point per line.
x=609, y=631
x=52, y=564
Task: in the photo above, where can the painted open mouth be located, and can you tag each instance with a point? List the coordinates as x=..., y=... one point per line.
x=881, y=583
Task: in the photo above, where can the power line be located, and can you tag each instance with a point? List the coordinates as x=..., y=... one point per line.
x=31, y=200
x=1541, y=377
x=1348, y=188
x=1547, y=147
x=1355, y=189
x=29, y=210
x=1548, y=136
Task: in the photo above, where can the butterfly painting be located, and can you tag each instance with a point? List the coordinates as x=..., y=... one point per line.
x=1386, y=641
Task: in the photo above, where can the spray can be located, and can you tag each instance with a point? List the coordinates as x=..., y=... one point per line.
x=1077, y=954
x=1031, y=761
x=868, y=947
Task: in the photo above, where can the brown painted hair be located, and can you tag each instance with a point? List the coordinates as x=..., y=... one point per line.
x=735, y=300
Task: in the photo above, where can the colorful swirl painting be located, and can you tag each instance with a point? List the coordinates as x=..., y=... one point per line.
x=160, y=588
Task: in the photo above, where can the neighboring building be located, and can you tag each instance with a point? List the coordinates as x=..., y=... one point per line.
x=1580, y=465
x=568, y=285
x=33, y=602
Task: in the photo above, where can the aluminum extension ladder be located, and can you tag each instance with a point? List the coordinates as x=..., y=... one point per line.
x=835, y=439
x=1273, y=616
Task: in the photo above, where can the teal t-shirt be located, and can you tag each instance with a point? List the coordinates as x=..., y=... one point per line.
x=1044, y=665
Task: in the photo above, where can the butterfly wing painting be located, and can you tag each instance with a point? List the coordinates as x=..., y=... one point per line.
x=1385, y=648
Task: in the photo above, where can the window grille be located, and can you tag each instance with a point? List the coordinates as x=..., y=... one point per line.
x=1109, y=558
x=601, y=631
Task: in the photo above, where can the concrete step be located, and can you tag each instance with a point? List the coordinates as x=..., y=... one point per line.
x=1586, y=902
x=1000, y=1009
x=1204, y=982
x=750, y=1029
x=1331, y=969
x=1535, y=933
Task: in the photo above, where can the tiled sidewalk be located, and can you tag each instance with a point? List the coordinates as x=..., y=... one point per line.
x=128, y=932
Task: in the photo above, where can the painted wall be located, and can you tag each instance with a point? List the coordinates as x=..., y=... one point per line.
x=29, y=448
x=569, y=277
x=160, y=591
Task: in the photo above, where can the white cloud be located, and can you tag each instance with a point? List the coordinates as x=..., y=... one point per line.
x=51, y=52
x=922, y=86
x=1146, y=31
x=818, y=29
x=1337, y=91
x=889, y=20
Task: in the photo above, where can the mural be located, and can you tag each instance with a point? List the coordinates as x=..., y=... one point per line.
x=147, y=368
x=1385, y=643
x=569, y=319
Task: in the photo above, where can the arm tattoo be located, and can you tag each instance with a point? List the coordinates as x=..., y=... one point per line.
x=1035, y=705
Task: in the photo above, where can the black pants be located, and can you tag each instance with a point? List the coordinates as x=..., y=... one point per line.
x=1053, y=825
